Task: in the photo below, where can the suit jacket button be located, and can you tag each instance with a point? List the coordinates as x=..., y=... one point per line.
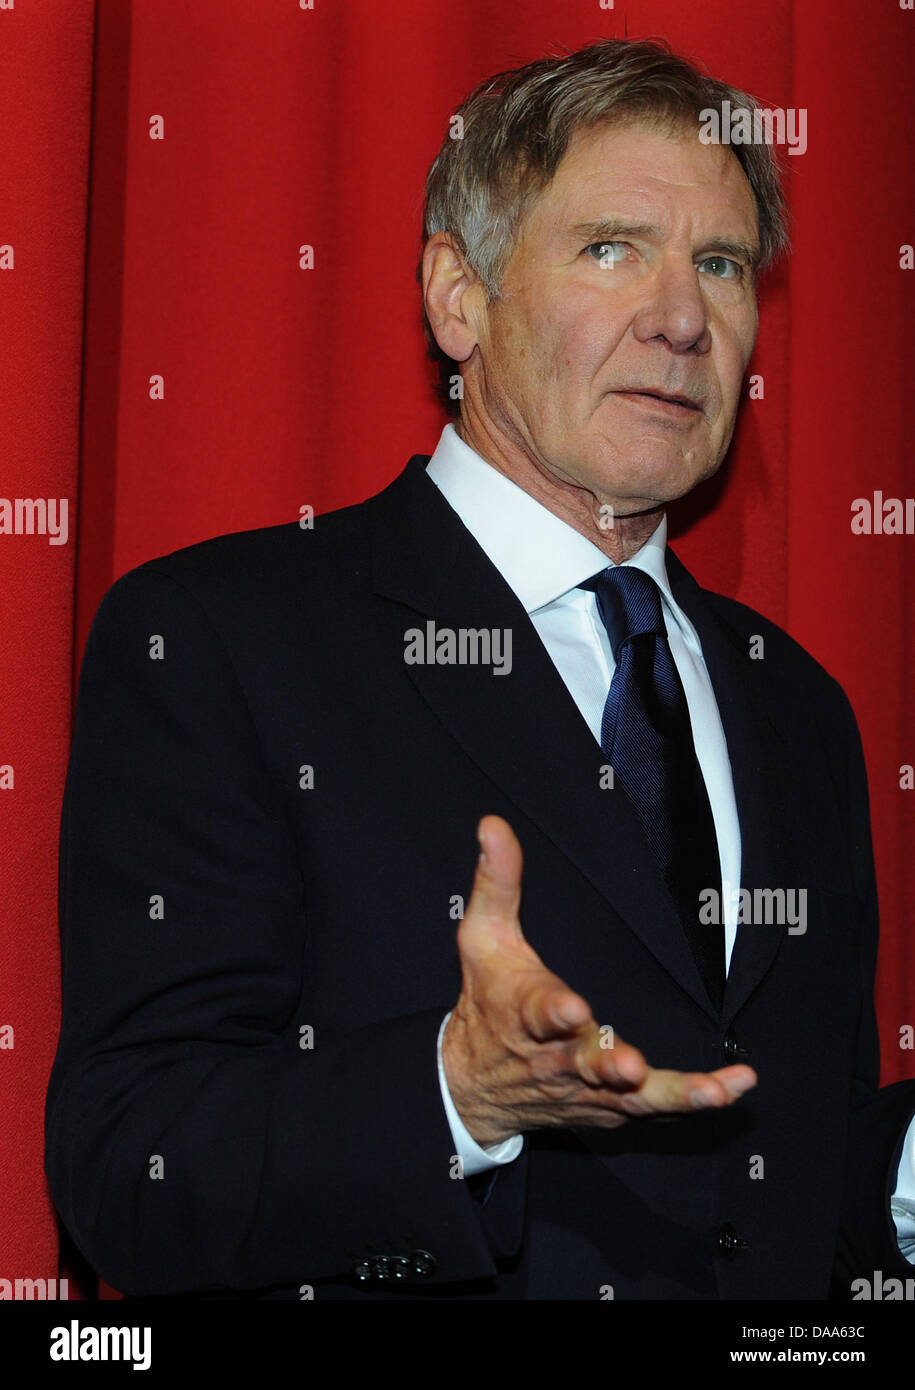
x=362, y=1272
x=732, y=1049
x=728, y=1241
x=423, y=1263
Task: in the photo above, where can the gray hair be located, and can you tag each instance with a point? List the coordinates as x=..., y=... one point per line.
x=515, y=129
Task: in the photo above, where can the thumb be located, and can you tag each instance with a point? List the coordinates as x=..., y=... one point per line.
x=496, y=898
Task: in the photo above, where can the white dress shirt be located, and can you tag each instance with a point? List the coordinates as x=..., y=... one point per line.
x=544, y=560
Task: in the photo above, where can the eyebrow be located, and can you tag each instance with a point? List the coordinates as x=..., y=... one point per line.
x=616, y=228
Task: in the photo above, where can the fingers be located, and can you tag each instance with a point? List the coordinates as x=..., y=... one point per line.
x=733, y=1081
x=619, y=1065
x=497, y=886
x=491, y=918
x=676, y=1092
x=493, y=947
x=551, y=1010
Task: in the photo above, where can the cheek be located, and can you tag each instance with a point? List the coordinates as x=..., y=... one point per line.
x=731, y=370
x=598, y=338
x=731, y=384
x=579, y=350
x=741, y=342
x=574, y=331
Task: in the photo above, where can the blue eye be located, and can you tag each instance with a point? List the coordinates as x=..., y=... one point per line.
x=724, y=269
x=606, y=252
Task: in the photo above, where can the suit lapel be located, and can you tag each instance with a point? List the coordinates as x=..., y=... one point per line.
x=744, y=695
x=522, y=729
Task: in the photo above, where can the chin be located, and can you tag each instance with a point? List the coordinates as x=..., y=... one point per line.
x=647, y=487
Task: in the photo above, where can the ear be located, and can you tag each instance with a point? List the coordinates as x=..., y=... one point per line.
x=454, y=297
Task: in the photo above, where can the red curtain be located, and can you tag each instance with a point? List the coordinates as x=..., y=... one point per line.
x=174, y=372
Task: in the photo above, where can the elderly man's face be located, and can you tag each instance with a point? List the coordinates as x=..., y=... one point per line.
x=631, y=284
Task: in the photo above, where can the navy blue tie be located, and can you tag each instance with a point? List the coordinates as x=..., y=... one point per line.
x=647, y=738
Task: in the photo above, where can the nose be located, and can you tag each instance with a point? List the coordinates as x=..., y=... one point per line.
x=675, y=310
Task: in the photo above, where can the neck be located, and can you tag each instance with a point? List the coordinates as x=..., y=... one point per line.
x=619, y=536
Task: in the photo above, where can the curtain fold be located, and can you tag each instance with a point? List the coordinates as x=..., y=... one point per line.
x=45, y=106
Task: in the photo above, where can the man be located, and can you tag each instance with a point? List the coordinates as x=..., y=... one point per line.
x=279, y=1073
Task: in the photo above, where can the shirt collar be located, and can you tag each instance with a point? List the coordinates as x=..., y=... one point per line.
x=538, y=555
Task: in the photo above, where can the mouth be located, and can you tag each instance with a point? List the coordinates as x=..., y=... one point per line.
x=671, y=403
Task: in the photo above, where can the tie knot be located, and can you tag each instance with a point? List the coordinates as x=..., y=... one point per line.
x=629, y=602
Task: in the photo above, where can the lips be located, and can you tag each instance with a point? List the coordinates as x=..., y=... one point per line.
x=669, y=398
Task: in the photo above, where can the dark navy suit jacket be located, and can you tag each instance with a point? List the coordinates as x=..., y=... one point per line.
x=215, y=905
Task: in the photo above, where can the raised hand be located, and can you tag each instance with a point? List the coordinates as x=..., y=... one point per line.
x=522, y=1050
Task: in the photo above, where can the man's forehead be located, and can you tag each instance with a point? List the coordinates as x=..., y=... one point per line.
x=637, y=169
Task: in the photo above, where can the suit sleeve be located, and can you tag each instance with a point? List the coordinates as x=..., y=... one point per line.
x=879, y=1116
x=193, y=1143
